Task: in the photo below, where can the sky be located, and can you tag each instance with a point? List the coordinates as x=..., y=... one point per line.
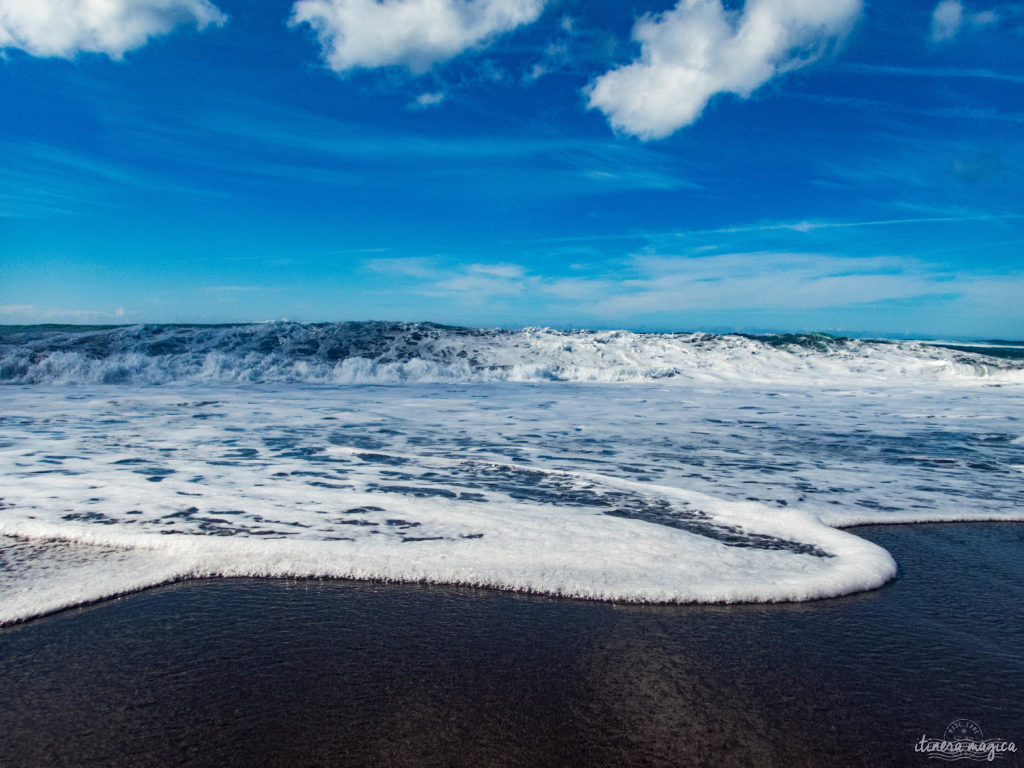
x=844, y=166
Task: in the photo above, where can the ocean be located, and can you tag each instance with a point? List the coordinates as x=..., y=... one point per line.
x=597, y=465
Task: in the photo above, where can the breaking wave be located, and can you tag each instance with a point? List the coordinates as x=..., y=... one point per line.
x=391, y=352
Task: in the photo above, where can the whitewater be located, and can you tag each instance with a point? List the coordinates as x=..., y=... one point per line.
x=589, y=464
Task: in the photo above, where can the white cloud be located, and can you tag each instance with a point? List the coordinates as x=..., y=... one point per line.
x=699, y=49
x=555, y=56
x=473, y=281
x=65, y=28
x=28, y=314
x=10, y=310
x=776, y=281
x=946, y=20
x=579, y=288
x=950, y=17
x=725, y=287
x=984, y=18
x=425, y=100
x=556, y=53
x=479, y=281
x=412, y=266
x=411, y=33
x=478, y=286
x=508, y=271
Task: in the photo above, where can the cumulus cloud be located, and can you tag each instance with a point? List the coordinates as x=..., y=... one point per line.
x=699, y=49
x=410, y=33
x=65, y=28
x=950, y=17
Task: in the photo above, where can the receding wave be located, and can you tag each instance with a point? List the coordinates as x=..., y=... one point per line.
x=388, y=352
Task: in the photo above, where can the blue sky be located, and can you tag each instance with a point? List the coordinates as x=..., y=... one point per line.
x=780, y=165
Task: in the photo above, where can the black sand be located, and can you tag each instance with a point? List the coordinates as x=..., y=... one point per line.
x=297, y=673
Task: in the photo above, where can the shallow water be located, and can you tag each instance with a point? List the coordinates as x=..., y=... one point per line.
x=626, y=491
x=281, y=673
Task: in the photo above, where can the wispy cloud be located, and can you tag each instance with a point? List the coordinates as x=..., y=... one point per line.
x=504, y=271
x=413, y=266
x=259, y=148
x=876, y=105
x=930, y=72
x=810, y=225
x=427, y=100
x=801, y=226
x=478, y=286
x=559, y=164
x=977, y=168
x=759, y=281
x=40, y=180
x=556, y=54
x=647, y=286
x=946, y=20
x=950, y=17
x=28, y=313
x=432, y=277
x=579, y=288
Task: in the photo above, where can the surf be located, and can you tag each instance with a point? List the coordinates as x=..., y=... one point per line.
x=395, y=353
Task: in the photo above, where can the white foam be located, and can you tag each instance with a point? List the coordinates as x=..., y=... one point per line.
x=360, y=353
x=55, y=574
x=629, y=492
x=576, y=555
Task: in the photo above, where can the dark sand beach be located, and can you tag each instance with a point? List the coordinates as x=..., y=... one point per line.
x=335, y=673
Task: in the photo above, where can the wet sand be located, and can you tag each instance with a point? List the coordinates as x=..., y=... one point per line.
x=335, y=673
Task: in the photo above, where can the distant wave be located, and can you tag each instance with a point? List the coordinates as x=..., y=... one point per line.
x=387, y=352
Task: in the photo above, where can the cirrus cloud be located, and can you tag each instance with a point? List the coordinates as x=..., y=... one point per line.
x=699, y=49
x=64, y=28
x=416, y=34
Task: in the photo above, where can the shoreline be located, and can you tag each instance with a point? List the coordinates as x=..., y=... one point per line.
x=460, y=585
x=334, y=672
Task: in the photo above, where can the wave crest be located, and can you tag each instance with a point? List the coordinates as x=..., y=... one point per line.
x=386, y=353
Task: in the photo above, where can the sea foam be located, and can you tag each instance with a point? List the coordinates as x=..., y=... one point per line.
x=377, y=352
x=687, y=468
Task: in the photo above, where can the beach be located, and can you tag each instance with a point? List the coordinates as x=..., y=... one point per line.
x=511, y=383
x=253, y=672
